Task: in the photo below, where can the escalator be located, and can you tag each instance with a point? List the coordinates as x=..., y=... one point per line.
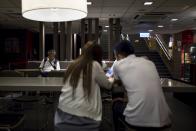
x=142, y=49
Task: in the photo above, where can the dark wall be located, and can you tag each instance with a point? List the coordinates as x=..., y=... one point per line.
x=19, y=46
x=15, y=45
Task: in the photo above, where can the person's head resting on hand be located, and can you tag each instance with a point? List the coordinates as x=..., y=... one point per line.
x=123, y=49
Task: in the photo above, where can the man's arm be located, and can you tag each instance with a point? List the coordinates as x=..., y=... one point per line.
x=115, y=71
x=118, y=91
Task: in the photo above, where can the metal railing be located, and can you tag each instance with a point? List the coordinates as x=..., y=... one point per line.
x=163, y=47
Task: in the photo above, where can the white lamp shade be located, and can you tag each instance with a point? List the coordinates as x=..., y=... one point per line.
x=54, y=10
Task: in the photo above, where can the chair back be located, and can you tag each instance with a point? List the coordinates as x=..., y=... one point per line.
x=10, y=73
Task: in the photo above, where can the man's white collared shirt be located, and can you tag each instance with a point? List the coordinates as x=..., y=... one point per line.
x=146, y=105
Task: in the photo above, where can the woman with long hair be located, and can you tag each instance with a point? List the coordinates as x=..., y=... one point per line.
x=80, y=105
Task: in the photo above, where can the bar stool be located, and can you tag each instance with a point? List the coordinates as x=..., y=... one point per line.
x=10, y=121
x=10, y=73
x=31, y=106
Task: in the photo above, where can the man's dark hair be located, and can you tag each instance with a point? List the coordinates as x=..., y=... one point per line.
x=124, y=48
x=52, y=51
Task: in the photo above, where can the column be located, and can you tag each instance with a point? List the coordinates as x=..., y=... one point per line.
x=69, y=41
x=96, y=29
x=111, y=40
x=82, y=32
x=56, y=39
x=74, y=46
x=62, y=41
x=114, y=35
x=117, y=30
x=90, y=34
x=41, y=40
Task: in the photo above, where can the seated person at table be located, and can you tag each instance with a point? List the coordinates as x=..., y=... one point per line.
x=146, y=107
x=80, y=104
x=49, y=63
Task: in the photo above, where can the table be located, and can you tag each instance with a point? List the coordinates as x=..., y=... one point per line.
x=36, y=72
x=56, y=83
x=170, y=85
x=31, y=83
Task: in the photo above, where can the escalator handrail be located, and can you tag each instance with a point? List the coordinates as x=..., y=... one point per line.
x=162, y=46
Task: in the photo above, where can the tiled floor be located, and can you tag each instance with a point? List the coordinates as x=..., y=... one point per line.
x=38, y=114
x=184, y=117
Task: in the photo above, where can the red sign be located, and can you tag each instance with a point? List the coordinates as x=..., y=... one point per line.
x=187, y=37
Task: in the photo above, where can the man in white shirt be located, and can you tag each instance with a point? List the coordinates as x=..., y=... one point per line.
x=49, y=63
x=146, y=108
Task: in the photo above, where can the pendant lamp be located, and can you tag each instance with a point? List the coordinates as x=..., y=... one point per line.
x=54, y=10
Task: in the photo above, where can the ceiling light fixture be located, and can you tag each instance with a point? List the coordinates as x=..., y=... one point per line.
x=148, y=3
x=54, y=10
x=150, y=30
x=107, y=26
x=160, y=26
x=89, y=3
x=105, y=30
x=174, y=19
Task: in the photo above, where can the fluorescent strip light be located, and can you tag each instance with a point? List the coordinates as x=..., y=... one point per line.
x=160, y=26
x=148, y=3
x=105, y=30
x=107, y=26
x=174, y=19
x=150, y=30
x=89, y=3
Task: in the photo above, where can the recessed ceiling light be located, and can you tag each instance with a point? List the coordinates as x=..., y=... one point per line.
x=150, y=30
x=107, y=26
x=160, y=26
x=174, y=19
x=148, y=3
x=89, y=3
